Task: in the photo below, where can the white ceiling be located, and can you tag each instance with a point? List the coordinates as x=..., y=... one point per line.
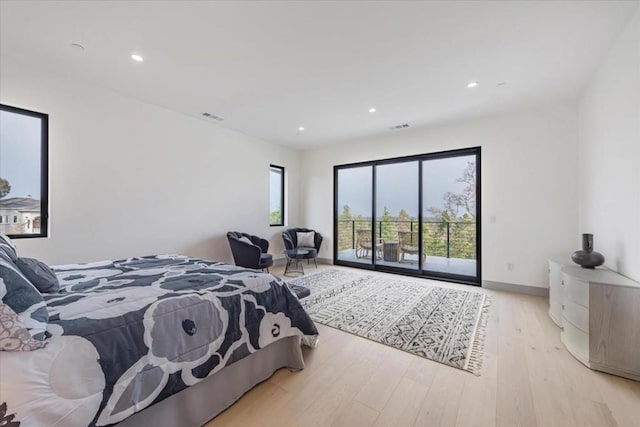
x=269, y=67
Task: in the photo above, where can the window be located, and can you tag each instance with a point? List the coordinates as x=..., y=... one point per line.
x=23, y=172
x=276, y=195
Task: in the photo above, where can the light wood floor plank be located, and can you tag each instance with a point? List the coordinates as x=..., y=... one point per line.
x=550, y=399
x=514, y=395
x=383, y=381
x=356, y=414
x=404, y=405
x=479, y=397
x=441, y=404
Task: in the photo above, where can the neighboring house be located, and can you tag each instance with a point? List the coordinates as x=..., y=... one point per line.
x=19, y=215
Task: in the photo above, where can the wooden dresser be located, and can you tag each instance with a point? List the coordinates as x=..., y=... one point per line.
x=600, y=317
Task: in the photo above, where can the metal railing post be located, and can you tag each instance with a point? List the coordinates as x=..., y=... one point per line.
x=448, y=242
x=353, y=234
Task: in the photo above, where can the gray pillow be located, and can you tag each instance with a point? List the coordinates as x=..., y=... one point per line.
x=18, y=293
x=306, y=240
x=39, y=274
x=7, y=246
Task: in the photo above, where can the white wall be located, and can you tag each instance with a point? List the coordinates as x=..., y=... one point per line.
x=609, y=147
x=529, y=183
x=128, y=178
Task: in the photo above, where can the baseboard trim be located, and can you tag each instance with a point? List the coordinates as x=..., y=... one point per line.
x=512, y=287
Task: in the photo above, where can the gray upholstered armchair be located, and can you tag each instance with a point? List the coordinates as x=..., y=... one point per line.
x=249, y=251
x=290, y=238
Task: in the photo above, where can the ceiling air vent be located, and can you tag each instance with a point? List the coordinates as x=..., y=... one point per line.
x=212, y=116
x=402, y=126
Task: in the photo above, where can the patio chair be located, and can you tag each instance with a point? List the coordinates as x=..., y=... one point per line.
x=409, y=244
x=364, y=245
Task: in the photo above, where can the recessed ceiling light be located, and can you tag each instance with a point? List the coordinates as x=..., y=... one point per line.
x=472, y=84
x=301, y=128
x=137, y=57
x=372, y=110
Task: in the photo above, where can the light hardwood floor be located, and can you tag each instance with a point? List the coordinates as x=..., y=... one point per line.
x=528, y=379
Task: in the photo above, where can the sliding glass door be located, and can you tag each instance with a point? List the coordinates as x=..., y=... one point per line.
x=449, y=216
x=353, y=223
x=397, y=208
x=417, y=215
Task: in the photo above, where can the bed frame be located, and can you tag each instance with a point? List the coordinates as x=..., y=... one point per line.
x=196, y=405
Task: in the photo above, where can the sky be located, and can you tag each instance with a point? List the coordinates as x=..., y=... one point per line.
x=20, y=154
x=397, y=186
x=274, y=191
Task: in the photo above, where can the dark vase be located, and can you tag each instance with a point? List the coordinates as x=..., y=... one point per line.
x=587, y=257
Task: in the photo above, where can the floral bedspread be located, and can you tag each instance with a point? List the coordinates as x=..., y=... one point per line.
x=126, y=334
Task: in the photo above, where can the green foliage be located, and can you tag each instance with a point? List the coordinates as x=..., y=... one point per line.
x=461, y=237
x=388, y=226
x=5, y=187
x=347, y=225
x=346, y=213
x=275, y=217
x=404, y=221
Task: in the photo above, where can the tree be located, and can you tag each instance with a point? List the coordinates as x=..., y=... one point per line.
x=460, y=230
x=5, y=188
x=389, y=231
x=345, y=231
x=275, y=217
x=346, y=213
x=404, y=221
x=465, y=201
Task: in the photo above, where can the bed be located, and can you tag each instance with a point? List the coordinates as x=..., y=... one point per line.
x=156, y=340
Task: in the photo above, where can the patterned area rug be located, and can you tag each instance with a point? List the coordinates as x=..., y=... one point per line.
x=442, y=324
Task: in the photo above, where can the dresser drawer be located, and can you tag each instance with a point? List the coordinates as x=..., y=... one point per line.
x=576, y=341
x=575, y=290
x=555, y=303
x=577, y=315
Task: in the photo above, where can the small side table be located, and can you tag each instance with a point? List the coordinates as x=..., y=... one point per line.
x=390, y=250
x=294, y=262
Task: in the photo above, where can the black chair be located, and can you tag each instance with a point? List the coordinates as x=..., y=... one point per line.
x=250, y=251
x=290, y=238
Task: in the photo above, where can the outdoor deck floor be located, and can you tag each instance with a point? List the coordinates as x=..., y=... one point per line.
x=465, y=267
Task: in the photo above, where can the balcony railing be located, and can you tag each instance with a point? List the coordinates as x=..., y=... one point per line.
x=451, y=239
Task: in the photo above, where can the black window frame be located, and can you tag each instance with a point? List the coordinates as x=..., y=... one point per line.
x=282, y=210
x=44, y=170
x=448, y=277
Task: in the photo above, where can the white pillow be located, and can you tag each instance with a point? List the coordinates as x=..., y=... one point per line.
x=245, y=239
x=306, y=240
